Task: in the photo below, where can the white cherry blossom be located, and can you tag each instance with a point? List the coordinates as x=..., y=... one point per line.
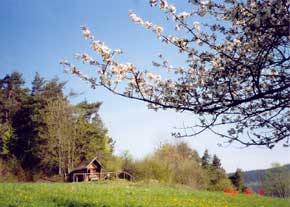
x=236, y=71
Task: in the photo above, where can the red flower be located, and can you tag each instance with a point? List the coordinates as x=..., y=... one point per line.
x=261, y=192
x=231, y=192
x=248, y=191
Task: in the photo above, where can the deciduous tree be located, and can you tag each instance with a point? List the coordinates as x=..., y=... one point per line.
x=277, y=181
x=236, y=73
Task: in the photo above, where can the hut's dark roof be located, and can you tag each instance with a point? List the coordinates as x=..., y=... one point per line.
x=85, y=164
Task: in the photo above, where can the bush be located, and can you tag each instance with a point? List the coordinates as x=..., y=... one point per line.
x=11, y=171
x=172, y=164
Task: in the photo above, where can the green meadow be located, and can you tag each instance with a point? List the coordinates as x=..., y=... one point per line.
x=107, y=194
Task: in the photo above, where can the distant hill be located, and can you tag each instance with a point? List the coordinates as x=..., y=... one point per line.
x=253, y=178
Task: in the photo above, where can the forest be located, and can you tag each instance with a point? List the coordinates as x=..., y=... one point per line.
x=42, y=134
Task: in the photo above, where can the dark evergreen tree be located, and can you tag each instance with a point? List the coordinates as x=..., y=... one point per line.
x=217, y=178
x=38, y=84
x=12, y=96
x=238, y=179
x=205, y=159
x=24, y=145
x=216, y=162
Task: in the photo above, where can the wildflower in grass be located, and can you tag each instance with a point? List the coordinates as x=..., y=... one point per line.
x=248, y=191
x=231, y=192
x=261, y=192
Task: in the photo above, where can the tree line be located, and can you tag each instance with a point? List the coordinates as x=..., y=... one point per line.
x=42, y=134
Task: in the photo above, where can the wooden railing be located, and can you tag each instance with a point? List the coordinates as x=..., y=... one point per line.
x=101, y=176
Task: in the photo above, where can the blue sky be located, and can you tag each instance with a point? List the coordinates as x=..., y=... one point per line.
x=35, y=35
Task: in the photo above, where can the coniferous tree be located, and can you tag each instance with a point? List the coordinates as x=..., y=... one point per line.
x=216, y=162
x=24, y=145
x=12, y=96
x=38, y=84
x=205, y=159
x=216, y=176
x=238, y=179
x=91, y=126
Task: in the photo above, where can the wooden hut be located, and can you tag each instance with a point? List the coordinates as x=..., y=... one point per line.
x=87, y=171
x=93, y=170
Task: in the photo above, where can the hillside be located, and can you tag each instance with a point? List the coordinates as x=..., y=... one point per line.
x=122, y=194
x=253, y=178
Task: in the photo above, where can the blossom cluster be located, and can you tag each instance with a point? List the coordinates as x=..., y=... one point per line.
x=147, y=24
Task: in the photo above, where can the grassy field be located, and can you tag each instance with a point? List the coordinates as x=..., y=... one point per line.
x=122, y=194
